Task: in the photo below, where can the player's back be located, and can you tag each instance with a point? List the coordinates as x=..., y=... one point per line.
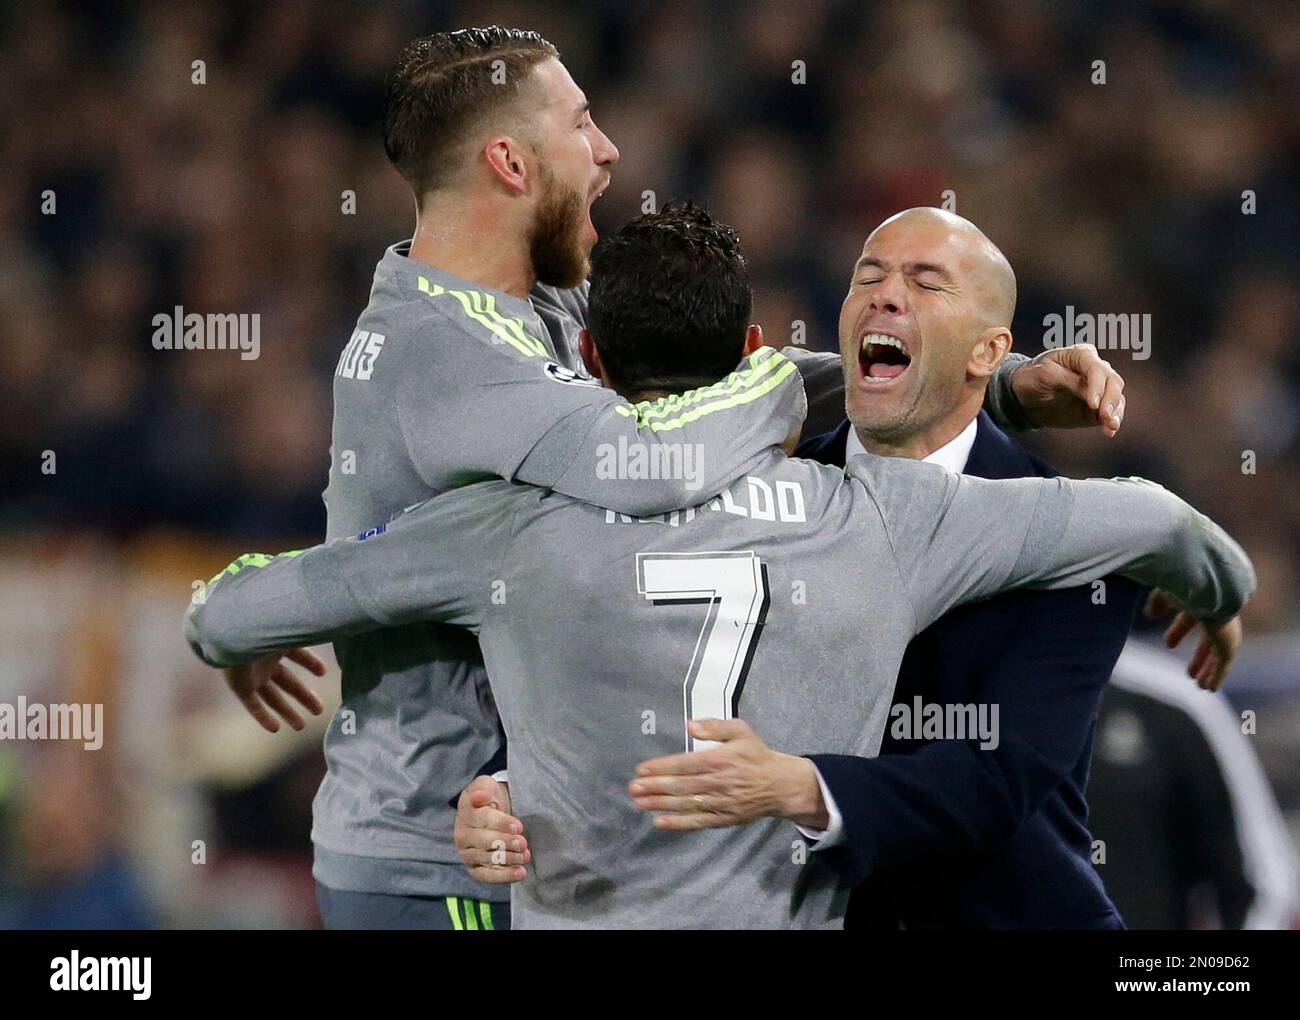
x=788, y=602
x=606, y=632
x=416, y=720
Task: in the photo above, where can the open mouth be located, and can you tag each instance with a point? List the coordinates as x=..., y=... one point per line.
x=882, y=358
x=591, y=200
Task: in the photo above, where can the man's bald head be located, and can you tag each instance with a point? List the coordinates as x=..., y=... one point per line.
x=985, y=266
x=925, y=323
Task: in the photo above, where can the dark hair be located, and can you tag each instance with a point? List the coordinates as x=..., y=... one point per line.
x=442, y=86
x=670, y=300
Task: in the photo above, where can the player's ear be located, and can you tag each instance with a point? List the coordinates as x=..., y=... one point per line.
x=753, y=339
x=590, y=356
x=505, y=158
x=990, y=347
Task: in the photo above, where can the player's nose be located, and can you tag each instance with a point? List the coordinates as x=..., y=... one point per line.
x=889, y=295
x=605, y=152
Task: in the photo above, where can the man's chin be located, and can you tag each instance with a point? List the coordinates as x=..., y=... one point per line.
x=885, y=418
x=876, y=411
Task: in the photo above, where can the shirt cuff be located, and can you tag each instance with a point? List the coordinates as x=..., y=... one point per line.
x=504, y=777
x=833, y=834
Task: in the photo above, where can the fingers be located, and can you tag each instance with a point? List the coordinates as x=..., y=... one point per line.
x=1207, y=667
x=1114, y=417
x=672, y=786
x=258, y=711
x=1158, y=604
x=490, y=842
x=1102, y=387
x=681, y=804
x=491, y=819
x=490, y=874
x=308, y=659
x=1214, y=656
x=272, y=696
x=699, y=762
x=689, y=823
x=1224, y=642
x=1210, y=676
x=1215, y=672
x=1200, y=659
x=719, y=729
x=261, y=688
x=495, y=853
x=1098, y=385
x=1110, y=409
x=297, y=689
x=688, y=764
x=1083, y=360
x=482, y=791
x=1179, y=629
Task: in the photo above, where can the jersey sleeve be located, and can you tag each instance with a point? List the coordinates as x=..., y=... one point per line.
x=436, y=561
x=823, y=383
x=957, y=538
x=475, y=402
x=1000, y=398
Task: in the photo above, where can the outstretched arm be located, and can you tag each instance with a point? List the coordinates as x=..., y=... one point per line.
x=475, y=407
x=437, y=562
x=978, y=537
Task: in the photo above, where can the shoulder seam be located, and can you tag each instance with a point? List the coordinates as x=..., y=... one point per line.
x=480, y=307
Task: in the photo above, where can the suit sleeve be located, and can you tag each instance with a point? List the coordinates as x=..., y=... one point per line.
x=476, y=406
x=957, y=538
x=437, y=561
x=956, y=796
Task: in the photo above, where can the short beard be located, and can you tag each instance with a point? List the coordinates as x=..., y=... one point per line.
x=554, y=244
x=900, y=430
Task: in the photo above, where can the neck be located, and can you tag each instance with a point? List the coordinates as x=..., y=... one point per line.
x=921, y=443
x=470, y=238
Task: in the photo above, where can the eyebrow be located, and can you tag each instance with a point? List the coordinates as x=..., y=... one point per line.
x=584, y=108
x=909, y=268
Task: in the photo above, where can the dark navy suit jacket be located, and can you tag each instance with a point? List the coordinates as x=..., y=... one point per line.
x=942, y=834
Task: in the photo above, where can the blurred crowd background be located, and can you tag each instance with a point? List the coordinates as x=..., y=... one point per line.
x=228, y=196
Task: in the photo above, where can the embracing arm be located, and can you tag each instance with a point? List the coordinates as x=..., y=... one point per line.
x=978, y=537
x=956, y=796
x=436, y=562
x=471, y=410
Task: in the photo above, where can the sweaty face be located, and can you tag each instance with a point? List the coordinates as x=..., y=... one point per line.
x=907, y=326
x=576, y=158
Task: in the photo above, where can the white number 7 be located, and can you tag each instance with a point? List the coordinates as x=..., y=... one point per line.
x=733, y=585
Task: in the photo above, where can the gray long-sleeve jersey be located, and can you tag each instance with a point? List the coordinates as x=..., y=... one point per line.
x=443, y=383
x=788, y=601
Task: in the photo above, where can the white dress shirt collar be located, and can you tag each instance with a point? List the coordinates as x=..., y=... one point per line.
x=952, y=455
